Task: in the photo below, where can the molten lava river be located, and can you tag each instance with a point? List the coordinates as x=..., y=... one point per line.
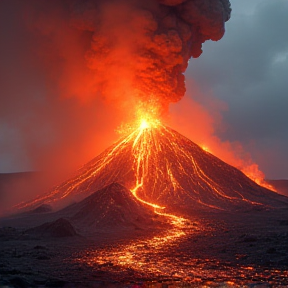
x=182, y=256
x=186, y=252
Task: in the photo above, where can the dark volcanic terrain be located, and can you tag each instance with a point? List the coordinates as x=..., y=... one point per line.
x=241, y=249
x=125, y=243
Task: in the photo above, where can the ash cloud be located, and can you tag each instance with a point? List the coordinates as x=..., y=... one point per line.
x=148, y=42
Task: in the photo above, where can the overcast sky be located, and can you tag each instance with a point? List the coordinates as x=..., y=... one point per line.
x=248, y=69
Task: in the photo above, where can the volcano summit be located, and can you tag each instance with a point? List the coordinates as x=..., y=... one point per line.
x=162, y=168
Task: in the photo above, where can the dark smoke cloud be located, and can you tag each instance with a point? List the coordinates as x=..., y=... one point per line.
x=72, y=70
x=149, y=42
x=124, y=50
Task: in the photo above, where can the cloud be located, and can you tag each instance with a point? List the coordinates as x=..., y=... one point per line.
x=248, y=70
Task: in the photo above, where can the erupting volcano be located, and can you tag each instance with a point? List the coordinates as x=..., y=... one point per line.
x=165, y=170
x=153, y=195
x=155, y=206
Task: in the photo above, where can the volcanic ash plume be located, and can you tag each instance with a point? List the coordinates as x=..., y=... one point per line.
x=140, y=49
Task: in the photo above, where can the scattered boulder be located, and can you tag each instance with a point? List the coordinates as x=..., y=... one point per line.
x=19, y=282
x=248, y=238
x=271, y=250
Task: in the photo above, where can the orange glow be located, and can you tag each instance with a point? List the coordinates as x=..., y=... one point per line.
x=144, y=124
x=157, y=167
x=188, y=112
x=205, y=148
x=257, y=176
x=141, y=156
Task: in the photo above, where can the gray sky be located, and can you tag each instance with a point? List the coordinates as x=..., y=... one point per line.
x=248, y=69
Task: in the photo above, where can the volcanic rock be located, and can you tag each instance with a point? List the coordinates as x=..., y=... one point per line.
x=113, y=206
x=58, y=229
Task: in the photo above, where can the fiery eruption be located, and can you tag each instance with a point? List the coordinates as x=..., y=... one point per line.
x=162, y=169
x=139, y=50
x=129, y=53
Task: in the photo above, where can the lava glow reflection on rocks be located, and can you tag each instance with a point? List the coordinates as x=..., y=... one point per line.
x=158, y=258
x=144, y=255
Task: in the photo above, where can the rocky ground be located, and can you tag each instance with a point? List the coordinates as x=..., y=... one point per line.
x=247, y=249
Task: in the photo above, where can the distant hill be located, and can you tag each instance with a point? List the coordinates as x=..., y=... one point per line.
x=112, y=208
x=59, y=228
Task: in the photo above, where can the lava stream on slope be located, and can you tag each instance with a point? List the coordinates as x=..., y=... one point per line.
x=162, y=168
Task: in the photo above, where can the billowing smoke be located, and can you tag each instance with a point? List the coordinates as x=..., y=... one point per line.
x=125, y=51
x=148, y=42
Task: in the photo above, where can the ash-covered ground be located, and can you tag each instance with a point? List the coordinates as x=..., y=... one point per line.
x=223, y=249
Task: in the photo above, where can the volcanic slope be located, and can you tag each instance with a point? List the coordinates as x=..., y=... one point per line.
x=112, y=206
x=160, y=166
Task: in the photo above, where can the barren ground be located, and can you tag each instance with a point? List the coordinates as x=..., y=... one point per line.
x=247, y=249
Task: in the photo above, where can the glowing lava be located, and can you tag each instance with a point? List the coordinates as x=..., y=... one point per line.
x=168, y=172
x=162, y=168
x=144, y=124
x=140, y=255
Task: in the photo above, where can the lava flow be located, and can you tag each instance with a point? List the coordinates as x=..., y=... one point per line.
x=154, y=168
x=142, y=255
x=162, y=168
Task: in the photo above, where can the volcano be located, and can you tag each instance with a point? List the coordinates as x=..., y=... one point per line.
x=162, y=168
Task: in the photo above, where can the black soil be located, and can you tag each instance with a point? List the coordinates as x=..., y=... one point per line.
x=247, y=249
